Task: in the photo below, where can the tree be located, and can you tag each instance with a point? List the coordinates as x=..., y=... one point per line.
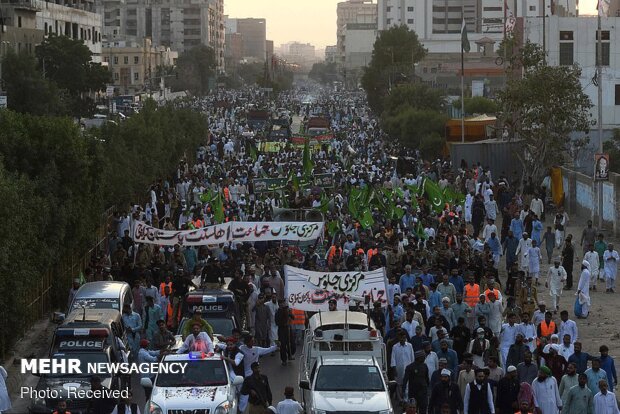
x=542, y=109
x=67, y=62
x=394, y=55
x=195, y=68
x=414, y=95
x=477, y=105
x=324, y=72
x=27, y=90
x=414, y=115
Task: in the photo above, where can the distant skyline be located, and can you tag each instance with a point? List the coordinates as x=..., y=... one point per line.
x=309, y=21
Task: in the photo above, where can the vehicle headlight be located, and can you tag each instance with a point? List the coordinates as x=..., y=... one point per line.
x=315, y=411
x=390, y=411
x=154, y=408
x=223, y=408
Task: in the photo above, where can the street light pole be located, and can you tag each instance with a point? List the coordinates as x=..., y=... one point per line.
x=599, y=78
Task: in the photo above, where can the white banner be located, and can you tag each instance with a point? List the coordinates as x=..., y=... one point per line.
x=239, y=231
x=311, y=291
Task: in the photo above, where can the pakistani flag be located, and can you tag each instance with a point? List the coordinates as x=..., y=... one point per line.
x=434, y=195
x=218, y=208
x=366, y=220
x=465, y=47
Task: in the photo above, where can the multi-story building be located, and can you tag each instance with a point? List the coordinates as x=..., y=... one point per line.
x=573, y=41
x=25, y=23
x=254, y=32
x=331, y=53
x=178, y=25
x=359, y=42
x=352, y=12
x=438, y=22
x=134, y=65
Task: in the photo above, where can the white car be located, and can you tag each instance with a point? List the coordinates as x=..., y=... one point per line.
x=341, y=384
x=205, y=387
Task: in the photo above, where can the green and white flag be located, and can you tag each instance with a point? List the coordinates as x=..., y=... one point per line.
x=464, y=40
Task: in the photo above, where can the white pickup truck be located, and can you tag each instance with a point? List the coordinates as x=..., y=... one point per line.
x=343, y=367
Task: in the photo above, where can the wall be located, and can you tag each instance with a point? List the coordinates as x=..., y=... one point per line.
x=581, y=199
x=494, y=154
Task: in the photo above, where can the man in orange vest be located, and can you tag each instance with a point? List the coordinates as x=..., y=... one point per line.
x=471, y=296
x=298, y=325
x=546, y=328
x=162, y=285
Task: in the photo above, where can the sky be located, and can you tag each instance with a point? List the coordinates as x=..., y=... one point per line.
x=309, y=21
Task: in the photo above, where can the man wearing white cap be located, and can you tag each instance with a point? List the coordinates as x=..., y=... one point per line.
x=583, y=289
x=445, y=392
x=507, y=391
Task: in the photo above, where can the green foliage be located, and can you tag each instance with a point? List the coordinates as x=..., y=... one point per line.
x=414, y=115
x=414, y=95
x=542, y=109
x=27, y=90
x=251, y=72
x=324, y=73
x=477, y=105
x=67, y=62
x=55, y=182
x=194, y=69
x=394, y=55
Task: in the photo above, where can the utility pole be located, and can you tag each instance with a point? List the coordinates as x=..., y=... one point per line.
x=544, y=39
x=599, y=78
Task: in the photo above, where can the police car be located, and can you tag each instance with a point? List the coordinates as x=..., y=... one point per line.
x=205, y=387
x=217, y=307
x=91, y=336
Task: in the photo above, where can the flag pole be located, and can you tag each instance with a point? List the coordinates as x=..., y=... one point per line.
x=463, y=82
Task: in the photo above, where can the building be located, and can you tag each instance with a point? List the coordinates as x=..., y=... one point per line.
x=77, y=20
x=331, y=53
x=25, y=23
x=18, y=27
x=134, y=65
x=352, y=12
x=571, y=40
x=438, y=22
x=358, y=45
x=177, y=25
x=254, y=32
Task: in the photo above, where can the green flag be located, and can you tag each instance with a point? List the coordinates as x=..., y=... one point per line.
x=354, y=198
x=420, y=231
x=308, y=165
x=366, y=220
x=333, y=227
x=465, y=47
x=218, y=208
x=434, y=194
x=253, y=151
x=324, y=203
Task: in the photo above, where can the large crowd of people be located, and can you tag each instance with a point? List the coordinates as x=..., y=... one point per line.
x=465, y=326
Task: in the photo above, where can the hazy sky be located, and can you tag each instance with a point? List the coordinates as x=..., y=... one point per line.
x=308, y=21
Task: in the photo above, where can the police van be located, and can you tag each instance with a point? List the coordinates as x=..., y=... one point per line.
x=205, y=387
x=343, y=367
x=102, y=295
x=217, y=307
x=90, y=336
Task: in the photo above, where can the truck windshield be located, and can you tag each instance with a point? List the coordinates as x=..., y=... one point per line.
x=349, y=378
x=198, y=373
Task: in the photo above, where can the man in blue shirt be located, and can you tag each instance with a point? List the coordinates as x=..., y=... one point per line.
x=449, y=354
x=607, y=363
x=407, y=280
x=580, y=359
x=434, y=297
x=427, y=278
x=457, y=281
x=496, y=248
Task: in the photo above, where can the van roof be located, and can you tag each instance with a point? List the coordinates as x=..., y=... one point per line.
x=347, y=360
x=91, y=316
x=103, y=290
x=355, y=320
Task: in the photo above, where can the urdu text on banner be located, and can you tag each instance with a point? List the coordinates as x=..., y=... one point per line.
x=235, y=231
x=311, y=291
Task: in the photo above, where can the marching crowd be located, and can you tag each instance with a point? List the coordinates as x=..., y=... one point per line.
x=459, y=338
